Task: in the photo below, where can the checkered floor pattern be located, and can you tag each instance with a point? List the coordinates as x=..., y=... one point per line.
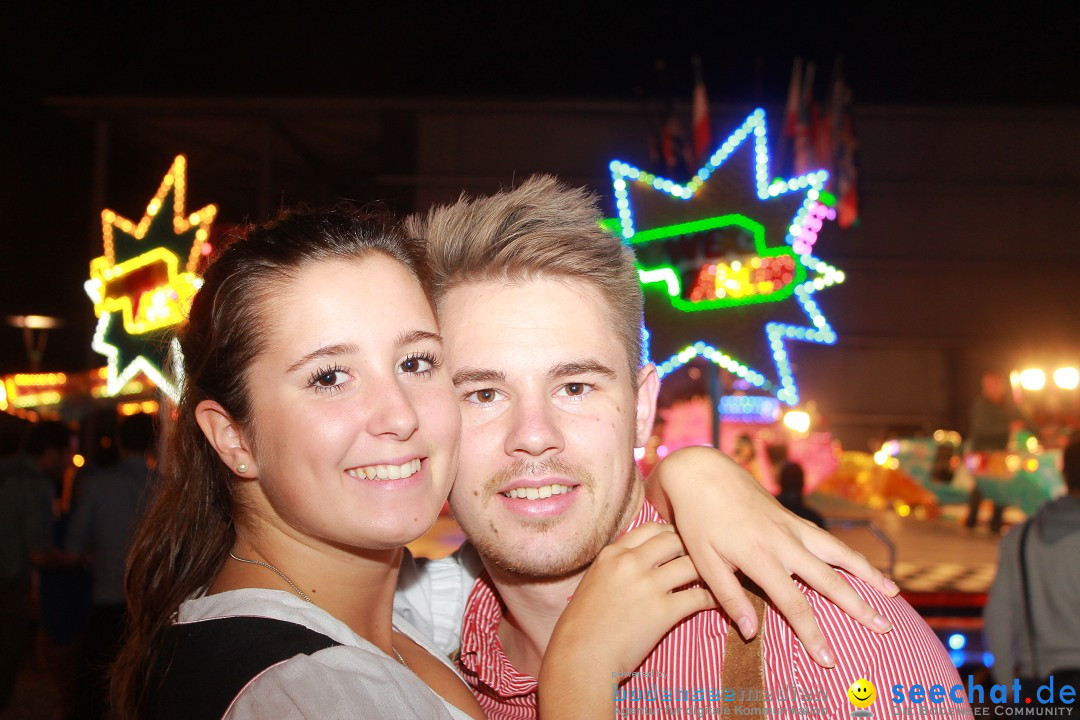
x=944, y=577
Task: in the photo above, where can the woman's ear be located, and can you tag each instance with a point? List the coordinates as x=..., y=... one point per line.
x=226, y=437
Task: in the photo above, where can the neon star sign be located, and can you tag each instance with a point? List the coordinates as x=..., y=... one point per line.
x=144, y=282
x=725, y=225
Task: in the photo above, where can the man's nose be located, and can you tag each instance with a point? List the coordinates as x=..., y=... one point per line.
x=534, y=429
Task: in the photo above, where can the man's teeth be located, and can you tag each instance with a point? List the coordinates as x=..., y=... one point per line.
x=386, y=472
x=536, y=493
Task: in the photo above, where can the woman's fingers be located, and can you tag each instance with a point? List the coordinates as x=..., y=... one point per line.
x=834, y=552
x=674, y=574
x=641, y=534
x=729, y=592
x=774, y=580
x=832, y=585
x=660, y=548
x=684, y=603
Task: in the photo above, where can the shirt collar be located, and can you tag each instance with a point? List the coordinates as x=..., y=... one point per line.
x=482, y=653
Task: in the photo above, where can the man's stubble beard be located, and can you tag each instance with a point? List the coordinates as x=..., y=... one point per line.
x=520, y=561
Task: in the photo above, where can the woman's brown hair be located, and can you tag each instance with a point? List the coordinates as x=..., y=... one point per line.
x=190, y=526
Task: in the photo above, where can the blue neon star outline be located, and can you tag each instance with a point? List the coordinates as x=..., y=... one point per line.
x=824, y=275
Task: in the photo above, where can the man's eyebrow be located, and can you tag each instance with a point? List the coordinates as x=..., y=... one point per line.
x=478, y=375
x=414, y=336
x=325, y=351
x=580, y=367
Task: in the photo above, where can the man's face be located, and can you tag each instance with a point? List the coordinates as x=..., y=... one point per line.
x=993, y=387
x=54, y=461
x=550, y=419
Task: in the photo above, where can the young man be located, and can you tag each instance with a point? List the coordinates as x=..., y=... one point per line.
x=1051, y=541
x=541, y=313
x=27, y=483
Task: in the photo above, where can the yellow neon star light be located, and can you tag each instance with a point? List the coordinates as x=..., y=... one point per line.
x=147, y=276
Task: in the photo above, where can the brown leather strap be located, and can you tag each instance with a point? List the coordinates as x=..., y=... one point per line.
x=744, y=663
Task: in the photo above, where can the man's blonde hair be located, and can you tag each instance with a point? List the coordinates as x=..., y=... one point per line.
x=541, y=229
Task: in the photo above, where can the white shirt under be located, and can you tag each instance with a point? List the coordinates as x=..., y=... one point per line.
x=354, y=679
x=431, y=595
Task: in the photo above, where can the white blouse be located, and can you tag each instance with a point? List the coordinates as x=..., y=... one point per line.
x=352, y=680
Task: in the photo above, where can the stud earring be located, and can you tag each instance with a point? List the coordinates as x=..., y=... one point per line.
x=241, y=468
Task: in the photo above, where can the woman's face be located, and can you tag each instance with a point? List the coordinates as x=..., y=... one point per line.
x=355, y=425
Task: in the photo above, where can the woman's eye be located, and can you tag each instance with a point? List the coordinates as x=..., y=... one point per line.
x=418, y=364
x=329, y=378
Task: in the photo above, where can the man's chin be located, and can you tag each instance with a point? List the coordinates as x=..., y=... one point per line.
x=528, y=553
x=531, y=567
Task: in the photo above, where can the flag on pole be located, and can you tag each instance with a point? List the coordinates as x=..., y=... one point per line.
x=804, y=151
x=675, y=147
x=791, y=120
x=847, y=174
x=700, y=108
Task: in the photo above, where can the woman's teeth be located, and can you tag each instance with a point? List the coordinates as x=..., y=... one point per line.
x=536, y=493
x=386, y=472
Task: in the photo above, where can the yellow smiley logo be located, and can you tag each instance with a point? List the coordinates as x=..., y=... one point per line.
x=861, y=693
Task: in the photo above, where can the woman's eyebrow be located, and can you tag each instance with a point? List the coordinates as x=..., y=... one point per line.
x=409, y=337
x=325, y=351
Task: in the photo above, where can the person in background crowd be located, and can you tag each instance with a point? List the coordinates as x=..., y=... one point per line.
x=994, y=416
x=1051, y=540
x=26, y=499
x=994, y=419
x=107, y=509
x=746, y=456
x=63, y=588
x=792, y=483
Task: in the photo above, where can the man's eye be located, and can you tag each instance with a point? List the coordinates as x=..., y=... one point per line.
x=575, y=389
x=483, y=397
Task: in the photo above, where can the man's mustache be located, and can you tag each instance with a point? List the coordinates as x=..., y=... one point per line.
x=538, y=468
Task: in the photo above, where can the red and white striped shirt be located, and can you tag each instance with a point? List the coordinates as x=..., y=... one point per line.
x=683, y=671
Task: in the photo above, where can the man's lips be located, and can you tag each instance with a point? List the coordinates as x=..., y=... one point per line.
x=538, y=488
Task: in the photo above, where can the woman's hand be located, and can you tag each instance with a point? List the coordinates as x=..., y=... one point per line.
x=624, y=605
x=729, y=522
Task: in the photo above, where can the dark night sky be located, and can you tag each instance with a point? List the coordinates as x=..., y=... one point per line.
x=894, y=53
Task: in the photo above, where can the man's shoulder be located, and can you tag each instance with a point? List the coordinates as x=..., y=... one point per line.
x=911, y=651
x=905, y=619
x=19, y=467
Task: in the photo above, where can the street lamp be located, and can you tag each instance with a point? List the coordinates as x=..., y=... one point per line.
x=35, y=344
x=1067, y=378
x=1032, y=379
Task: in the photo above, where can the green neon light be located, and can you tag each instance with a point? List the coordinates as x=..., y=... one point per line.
x=827, y=199
x=696, y=226
x=610, y=225
x=667, y=274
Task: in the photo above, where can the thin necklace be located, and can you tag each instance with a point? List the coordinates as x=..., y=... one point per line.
x=400, y=659
x=280, y=574
x=300, y=592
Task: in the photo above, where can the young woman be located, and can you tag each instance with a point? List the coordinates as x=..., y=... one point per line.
x=315, y=436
